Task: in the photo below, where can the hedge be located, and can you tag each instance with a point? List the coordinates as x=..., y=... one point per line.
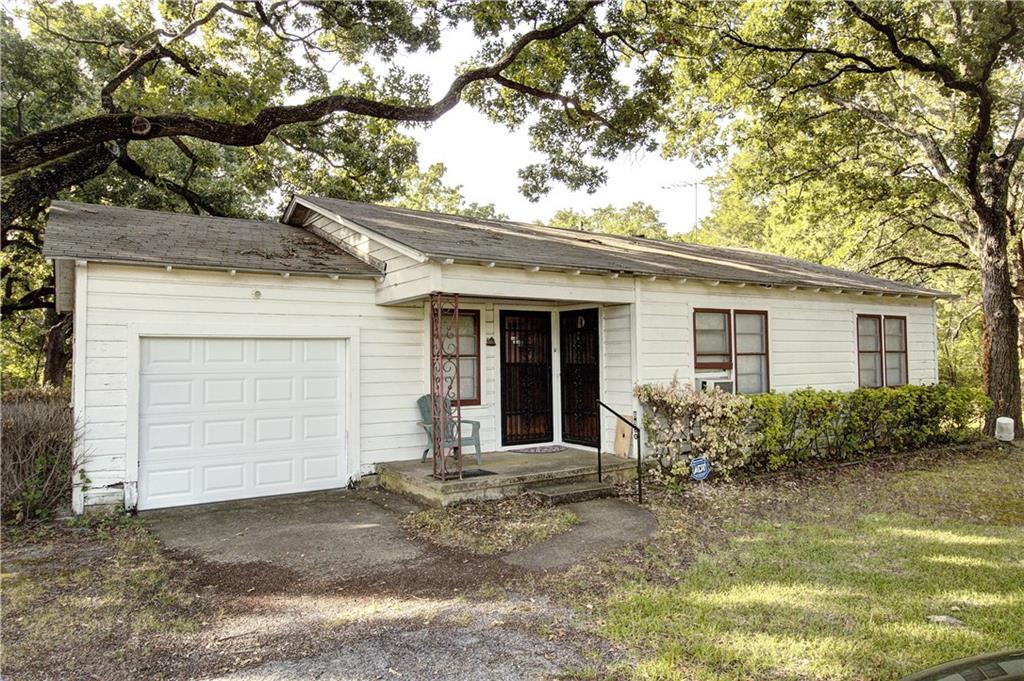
x=775, y=430
x=37, y=457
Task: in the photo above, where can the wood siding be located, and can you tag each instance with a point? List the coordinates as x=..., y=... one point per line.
x=812, y=339
x=126, y=300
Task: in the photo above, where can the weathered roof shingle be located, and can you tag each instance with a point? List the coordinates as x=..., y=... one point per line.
x=114, y=234
x=440, y=236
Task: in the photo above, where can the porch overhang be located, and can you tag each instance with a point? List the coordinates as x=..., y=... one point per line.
x=505, y=281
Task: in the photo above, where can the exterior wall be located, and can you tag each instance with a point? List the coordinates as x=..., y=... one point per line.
x=645, y=327
x=811, y=336
x=116, y=304
x=616, y=338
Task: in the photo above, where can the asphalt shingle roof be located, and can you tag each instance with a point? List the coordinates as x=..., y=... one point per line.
x=114, y=234
x=440, y=236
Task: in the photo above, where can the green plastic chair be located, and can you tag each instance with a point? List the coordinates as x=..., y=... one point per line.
x=427, y=422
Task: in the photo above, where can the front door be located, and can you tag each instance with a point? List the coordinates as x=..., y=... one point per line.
x=526, y=415
x=580, y=377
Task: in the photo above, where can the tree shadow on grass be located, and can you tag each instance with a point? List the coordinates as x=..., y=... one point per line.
x=810, y=601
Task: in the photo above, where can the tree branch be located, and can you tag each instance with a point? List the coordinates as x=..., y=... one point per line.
x=943, y=265
x=33, y=300
x=194, y=200
x=23, y=193
x=38, y=148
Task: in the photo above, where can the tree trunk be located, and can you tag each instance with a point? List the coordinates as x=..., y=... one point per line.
x=1000, y=353
x=56, y=349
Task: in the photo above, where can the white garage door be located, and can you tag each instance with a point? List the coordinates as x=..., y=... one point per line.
x=230, y=418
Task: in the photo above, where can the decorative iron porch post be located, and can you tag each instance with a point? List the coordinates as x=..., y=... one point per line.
x=445, y=393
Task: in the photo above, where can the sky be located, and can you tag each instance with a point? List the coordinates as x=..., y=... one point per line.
x=484, y=158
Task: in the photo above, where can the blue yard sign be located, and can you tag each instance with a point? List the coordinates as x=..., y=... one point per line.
x=700, y=468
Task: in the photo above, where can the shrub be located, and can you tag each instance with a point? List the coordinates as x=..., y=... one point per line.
x=37, y=457
x=772, y=431
x=821, y=425
x=682, y=424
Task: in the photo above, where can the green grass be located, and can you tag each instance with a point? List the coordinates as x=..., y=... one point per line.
x=89, y=594
x=834, y=581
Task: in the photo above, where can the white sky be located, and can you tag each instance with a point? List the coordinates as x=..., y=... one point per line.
x=484, y=158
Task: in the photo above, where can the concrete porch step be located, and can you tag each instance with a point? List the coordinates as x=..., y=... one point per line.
x=571, y=492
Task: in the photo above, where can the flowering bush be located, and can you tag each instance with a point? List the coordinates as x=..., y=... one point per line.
x=682, y=424
x=772, y=431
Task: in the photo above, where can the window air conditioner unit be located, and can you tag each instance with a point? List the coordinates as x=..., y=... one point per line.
x=708, y=382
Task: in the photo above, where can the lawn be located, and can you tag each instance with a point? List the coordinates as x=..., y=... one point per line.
x=829, y=576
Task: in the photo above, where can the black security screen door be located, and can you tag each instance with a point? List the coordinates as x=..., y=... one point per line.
x=526, y=415
x=580, y=377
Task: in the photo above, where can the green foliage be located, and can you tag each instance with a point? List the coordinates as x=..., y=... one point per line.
x=838, y=150
x=776, y=430
x=37, y=458
x=425, y=190
x=636, y=219
x=682, y=423
x=810, y=425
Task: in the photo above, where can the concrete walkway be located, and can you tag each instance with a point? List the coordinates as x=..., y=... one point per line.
x=605, y=525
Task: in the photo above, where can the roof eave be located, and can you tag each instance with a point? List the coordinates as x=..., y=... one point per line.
x=443, y=258
x=337, y=274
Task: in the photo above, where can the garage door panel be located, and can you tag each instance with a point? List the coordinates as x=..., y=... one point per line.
x=226, y=419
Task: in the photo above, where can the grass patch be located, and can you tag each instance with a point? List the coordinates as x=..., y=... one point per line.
x=822, y=602
x=828, y=575
x=88, y=595
x=490, y=527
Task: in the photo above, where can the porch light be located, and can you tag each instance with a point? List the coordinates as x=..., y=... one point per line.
x=491, y=342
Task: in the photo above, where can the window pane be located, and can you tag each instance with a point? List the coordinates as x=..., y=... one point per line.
x=468, y=343
x=750, y=332
x=467, y=376
x=895, y=338
x=712, y=341
x=868, y=333
x=712, y=321
x=713, y=359
x=870, y=370
x=895, y=369
x=751, y=374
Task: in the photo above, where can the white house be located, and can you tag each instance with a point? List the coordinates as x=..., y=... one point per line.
x=218, y=359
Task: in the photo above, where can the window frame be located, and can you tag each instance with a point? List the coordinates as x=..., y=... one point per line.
x=882, y=350
x=475, y=314
x=905, y=351
x=767, y=360
x=697, y=364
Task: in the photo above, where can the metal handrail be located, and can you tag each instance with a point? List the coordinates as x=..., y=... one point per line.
x=639, y=458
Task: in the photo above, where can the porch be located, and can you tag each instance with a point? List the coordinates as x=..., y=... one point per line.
x=502, y=474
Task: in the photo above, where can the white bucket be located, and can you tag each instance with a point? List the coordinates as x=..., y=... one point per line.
x=1004, y=428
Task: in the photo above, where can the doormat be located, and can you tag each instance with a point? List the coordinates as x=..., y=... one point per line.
x=467, y=473
x=547, y=449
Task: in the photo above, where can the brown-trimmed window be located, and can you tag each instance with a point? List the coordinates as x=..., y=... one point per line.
x=894, y=344
x=469, y=357
x=751, y=343
x=881, y=351
x=712, y=346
